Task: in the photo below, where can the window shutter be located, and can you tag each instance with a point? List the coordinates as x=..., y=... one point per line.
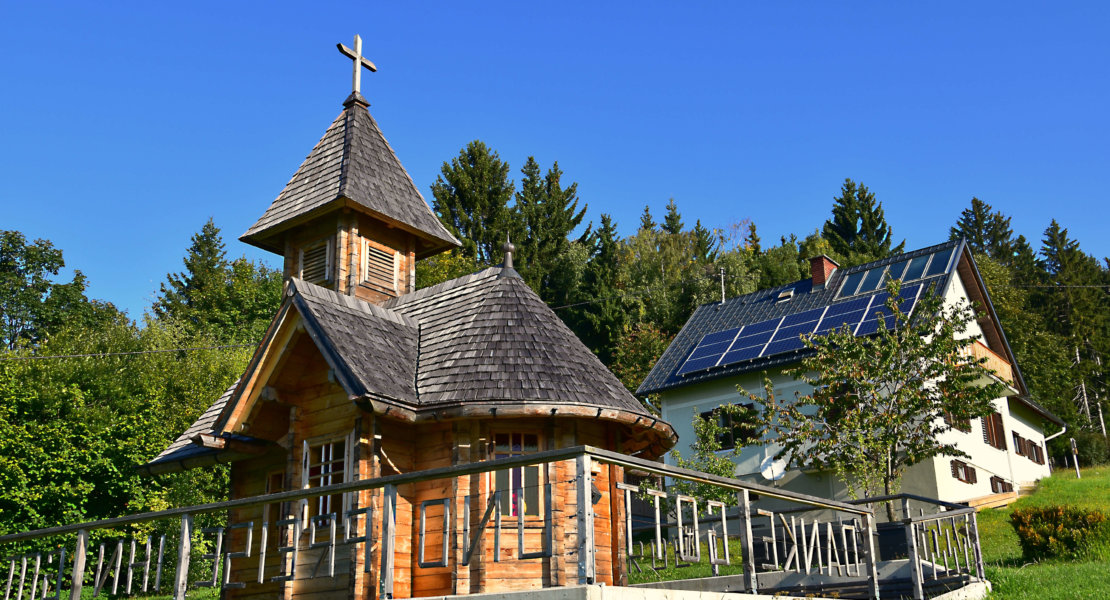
x=955, y=469
x=999, y=432
x=381, y=268
x=316, y=262
x=986, y=430
x=971, y=478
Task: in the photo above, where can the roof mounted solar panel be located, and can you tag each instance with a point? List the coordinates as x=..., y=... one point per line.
x=709, y=350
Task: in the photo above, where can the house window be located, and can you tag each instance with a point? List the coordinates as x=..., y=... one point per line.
x=963, y=471
x=381, y=267
x=1037, y=454
x=739, y=429
x=315, y=261
x=1000, y=485
x=326, y=464
x=518, y=483
x=993, y=433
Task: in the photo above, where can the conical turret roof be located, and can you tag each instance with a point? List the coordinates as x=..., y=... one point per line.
x=354, y=166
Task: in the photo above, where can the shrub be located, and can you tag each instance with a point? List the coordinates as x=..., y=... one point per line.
x=1058, y=531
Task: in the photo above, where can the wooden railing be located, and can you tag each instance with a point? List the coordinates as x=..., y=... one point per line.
x=840, y=536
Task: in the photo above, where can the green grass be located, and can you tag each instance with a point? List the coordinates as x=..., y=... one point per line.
x=1013, y=578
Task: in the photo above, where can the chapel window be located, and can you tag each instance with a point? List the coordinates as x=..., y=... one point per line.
x=519, y=486
x=325, y=464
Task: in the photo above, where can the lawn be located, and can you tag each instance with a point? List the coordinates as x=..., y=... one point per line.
x=1013, y=578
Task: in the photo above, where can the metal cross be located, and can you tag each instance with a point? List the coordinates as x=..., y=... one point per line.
x=356, y=56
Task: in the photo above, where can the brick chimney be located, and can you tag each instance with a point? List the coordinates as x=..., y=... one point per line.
x=821, y=267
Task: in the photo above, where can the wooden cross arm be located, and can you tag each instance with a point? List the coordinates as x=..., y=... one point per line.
x=351, y=55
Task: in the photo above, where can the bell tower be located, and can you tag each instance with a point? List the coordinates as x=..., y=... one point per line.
x=351, y=219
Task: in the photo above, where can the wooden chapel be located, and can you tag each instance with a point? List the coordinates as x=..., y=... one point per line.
x=361, y=375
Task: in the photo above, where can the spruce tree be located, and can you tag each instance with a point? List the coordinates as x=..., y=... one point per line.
x=647, y=223
x=672, y=223
x=231, y=301
x=858, y=229
x=987, y=231
x=547, y=214
x=471, y=197
x=706, y=243
x=604, y=317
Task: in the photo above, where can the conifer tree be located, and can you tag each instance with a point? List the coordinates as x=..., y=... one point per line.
x=231, y=301
x=672, y=223
x=604, y=315
x=471, y=197
x=987, y=231
x=547, y=214
x=858, y=229
x=647, y=223
x=705, y=243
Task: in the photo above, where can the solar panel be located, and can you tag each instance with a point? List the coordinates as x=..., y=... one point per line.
x=737, y=355
x=783, y=346
x=720, y=336
x=790, y=333
x=802, y=317
x=709, y=350
x=779, y=335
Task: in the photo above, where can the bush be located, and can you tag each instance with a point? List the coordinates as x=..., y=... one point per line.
x=1058, y=531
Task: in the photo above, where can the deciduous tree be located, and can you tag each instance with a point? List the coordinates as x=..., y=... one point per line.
x=879, y=404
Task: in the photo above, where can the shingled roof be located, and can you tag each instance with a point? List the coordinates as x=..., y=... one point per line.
x=351, y=165
x=478, y=346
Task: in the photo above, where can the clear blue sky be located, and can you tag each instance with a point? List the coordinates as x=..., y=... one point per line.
x=125, y=126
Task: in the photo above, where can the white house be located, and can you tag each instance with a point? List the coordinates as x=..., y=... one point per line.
x=743, y=340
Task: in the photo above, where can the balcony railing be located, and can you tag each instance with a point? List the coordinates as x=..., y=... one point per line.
x=995, y=363
x=781, y=541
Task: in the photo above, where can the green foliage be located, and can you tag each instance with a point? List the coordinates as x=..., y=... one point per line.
x=471, y=197
x=229, y=301
x=637, y=352
x=987, y=231
x=1059, y=531
x=444, y=267
x=878, y=403
x=32, y=304
x=858, y=229
x=546, y=216
x=707, y=456
x=1091, y=448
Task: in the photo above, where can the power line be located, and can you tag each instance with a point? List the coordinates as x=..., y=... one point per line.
x=106, y=354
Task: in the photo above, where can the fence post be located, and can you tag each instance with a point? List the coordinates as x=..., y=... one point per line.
x=869, y=555
x=79, y=565
x=184, y=548
x=750, y=584
x=974, y=533
x=389, y=530
x=912, y=551
x=586, y=574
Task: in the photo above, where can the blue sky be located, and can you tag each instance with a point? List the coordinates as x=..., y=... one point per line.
x=125, y=126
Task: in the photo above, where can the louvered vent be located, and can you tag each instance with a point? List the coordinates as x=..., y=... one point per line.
x=316, y=262
x=381, y=268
